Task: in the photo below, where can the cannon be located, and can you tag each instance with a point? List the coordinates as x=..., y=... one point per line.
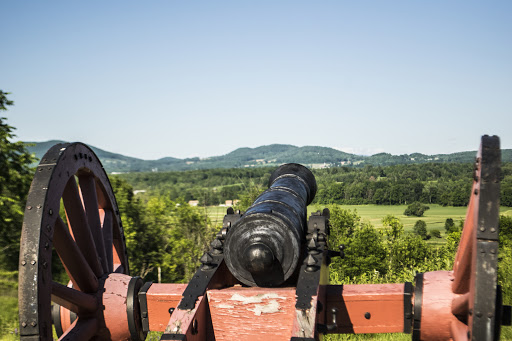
x=263, y=247
x=265, y=275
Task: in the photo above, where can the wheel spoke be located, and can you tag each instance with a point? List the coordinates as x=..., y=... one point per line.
x=459, y=330
x=107, y=237
x=462, y=267
x=73, y=260
x=72, y=299
x=81, y=330
x=118, y=256
x=118, y=268
x=90, y=200
x=78, y=222
x=460, y=305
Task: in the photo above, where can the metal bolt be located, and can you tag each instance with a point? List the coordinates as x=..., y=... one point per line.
x=23, y=324
x=45, y=265
x=490, y=315
x=33, y=262
x=171, y=310
x=23, y=263
x=493, y=230
x=49, y=228
x=478, y=314
x=470, y=311
x=50, y=211
x=493, y=251
x=39, y=206
x=46, y=245
x=29, y=207
x=482, y=229
x=194, y=327
x=476, y=191
x=482, y=250
x=367, y=315
x=33, y=324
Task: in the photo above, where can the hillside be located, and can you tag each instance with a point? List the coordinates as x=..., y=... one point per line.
x=271, y=155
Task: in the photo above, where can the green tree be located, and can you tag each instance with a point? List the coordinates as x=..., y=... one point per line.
x=365, y=253
x=144, y=241
x=407, y=252
x=343, y=224
x=395, y=228
x=420, y=229
x=246, y=199
x=449, y=225
x=416, y=209
x=15, y=178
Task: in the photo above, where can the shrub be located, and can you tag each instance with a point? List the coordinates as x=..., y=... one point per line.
x=420, y=229
x=416, y=209
x=435, y=233
x=449, y=225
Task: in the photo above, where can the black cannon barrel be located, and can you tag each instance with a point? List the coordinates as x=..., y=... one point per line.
x=263, y=247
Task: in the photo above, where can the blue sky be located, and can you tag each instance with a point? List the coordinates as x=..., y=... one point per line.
x=202, y=78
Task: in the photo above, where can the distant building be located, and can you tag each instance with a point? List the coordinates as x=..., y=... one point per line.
x=230, y=203
x=137, y=191
x=319, y=165
x=193, y=202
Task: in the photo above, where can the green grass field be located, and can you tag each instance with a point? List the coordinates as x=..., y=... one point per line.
x=9, y=306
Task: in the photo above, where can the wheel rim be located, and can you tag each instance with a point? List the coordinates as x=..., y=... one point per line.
x=89, y=242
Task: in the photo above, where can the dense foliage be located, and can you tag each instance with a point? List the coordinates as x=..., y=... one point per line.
x=392, y=255
x=416, y=209
x=161, y=233
x=15, y=178
x=429, y=183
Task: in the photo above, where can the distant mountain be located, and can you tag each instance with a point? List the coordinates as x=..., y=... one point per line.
x=271, y=155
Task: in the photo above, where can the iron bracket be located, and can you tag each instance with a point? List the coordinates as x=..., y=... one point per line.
x=310, y=275
x=418, y=300
x=408, y=290
x=199, y=283
x=143, y=303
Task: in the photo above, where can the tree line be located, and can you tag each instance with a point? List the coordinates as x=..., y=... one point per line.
x=447, y=184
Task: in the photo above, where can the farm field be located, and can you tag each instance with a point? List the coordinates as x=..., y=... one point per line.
x=435, y=217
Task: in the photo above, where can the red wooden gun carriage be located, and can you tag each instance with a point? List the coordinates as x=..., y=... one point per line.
x=264, y=278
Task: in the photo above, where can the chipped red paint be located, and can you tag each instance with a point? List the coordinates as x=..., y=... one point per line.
x=251, y=313
x=191, y=322
x=114, y=301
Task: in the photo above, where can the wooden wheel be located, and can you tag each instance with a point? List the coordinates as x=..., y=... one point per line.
x=71, y=210
x=476, y=263
x=465, y=304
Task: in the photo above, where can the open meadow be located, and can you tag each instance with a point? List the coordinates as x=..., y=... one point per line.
x=435, y=217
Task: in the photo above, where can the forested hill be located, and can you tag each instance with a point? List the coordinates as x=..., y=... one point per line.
x=271, y=155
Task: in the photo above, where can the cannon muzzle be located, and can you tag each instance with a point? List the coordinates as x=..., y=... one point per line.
x=263, y=247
